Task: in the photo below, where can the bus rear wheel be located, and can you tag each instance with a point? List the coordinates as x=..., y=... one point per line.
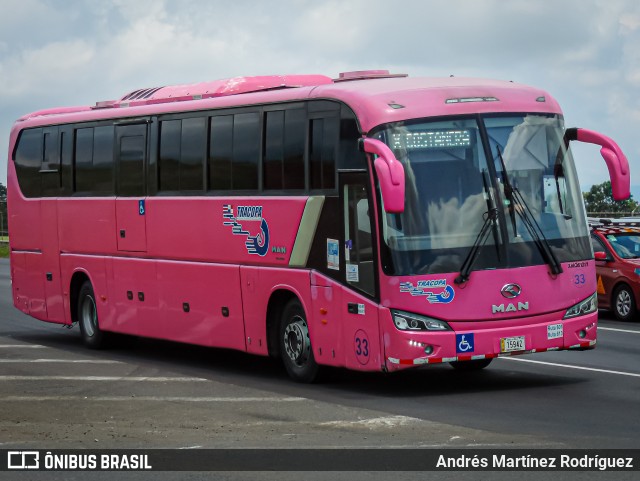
x=87, y=315
x=295, y=344
x=473, y=365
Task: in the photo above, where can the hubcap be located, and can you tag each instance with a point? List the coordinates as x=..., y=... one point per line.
x=296, y=341
x=89, y=316
x=623, y=303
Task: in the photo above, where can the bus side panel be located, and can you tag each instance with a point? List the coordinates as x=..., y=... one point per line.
x=361, y=332
x=325, y=321
x=87, y=226
x=201, y=304
x=24, y=223
x=135, y=292
x=357, y=335
x=94, y=268
x=18, y=276
x=51, y=262
x=28, y=283
x=258, y=284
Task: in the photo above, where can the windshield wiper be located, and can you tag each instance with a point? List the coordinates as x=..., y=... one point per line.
x=490, y=220
x=519, y=205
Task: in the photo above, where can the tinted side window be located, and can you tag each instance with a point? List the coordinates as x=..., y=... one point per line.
x=246, y=151
x=169, y=163
x=295, y=123
x=93, y=164
x=28, y=160
x=234, y=151
x=103, y=160
x=322, y=152
x=283, y=161
x=132, y=149
x=349, y=155
x=50, y=172
x=273, y=160
x=182, y=154
x=83, y=160
x=220, y=152
x=192, y=154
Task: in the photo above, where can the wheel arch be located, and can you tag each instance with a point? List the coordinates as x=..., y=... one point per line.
x=277, y=301
x=78, y=278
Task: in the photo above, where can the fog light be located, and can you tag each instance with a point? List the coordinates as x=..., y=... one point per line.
x=428, y=350
x=582, y=334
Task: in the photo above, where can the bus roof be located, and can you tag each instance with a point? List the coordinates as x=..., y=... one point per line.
x=377, y=97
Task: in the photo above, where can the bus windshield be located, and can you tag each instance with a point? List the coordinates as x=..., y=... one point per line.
x=514, y=170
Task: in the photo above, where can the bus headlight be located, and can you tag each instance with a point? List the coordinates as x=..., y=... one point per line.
x=589, y=305
x=406, y=321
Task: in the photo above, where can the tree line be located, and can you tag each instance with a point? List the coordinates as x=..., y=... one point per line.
x=599, y=200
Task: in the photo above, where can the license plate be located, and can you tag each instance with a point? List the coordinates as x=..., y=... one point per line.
x=512, y=344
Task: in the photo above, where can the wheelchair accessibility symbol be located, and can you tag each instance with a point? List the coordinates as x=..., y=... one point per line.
x=464, y=343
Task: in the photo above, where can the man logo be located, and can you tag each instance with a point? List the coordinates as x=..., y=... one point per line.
x=511, y=291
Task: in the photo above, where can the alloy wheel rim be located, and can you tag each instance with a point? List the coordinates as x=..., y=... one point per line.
x=623, y=303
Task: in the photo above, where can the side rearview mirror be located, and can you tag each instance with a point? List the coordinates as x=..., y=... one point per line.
x=390, y=174
x=600, y=256
x=617, y=162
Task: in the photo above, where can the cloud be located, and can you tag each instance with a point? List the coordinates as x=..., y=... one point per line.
x=586, y=54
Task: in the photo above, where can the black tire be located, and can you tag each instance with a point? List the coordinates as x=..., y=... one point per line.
x=623, y=303
x=295, y=345
x=473, y=365
x=92, y=336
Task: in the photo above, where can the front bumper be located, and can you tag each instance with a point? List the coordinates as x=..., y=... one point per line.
x=404, y=349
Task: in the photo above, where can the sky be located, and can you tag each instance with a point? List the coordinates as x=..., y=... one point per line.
x=585, y=53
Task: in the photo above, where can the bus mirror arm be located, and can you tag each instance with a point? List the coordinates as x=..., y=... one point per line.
x=617, y=162
x=390, y=174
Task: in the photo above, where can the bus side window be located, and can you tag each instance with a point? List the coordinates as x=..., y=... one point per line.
x=93, y=161
x=358, y=242
x=234, y=151
x=28, y=161
x=323, y=142
x=131, y=141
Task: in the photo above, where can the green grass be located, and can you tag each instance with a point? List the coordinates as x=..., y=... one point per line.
x=4, y=249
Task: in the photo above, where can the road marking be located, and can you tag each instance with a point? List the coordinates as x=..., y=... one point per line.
x=77, y=361
x=621, y=373
x=617, y=330
x=151, y=398
x=373, y=423
x=102, y=378
x=23, y=346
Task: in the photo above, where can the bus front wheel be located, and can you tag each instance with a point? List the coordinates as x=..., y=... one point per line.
x=295, y=344
x=92, y=336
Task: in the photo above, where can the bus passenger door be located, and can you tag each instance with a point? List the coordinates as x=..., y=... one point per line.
x=131, y=154
x=359, y=312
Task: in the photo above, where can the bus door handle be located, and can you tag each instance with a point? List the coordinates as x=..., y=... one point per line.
x=123, y=233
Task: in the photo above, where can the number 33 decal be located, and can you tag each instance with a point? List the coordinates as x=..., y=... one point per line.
x=579, y=279
x=362, y=347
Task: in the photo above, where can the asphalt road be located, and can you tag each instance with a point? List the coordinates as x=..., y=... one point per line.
x=55, y=394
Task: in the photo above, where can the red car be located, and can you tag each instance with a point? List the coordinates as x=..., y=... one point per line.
x=616, y=248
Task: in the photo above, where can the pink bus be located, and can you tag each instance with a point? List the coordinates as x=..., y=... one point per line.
x=375, y=222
